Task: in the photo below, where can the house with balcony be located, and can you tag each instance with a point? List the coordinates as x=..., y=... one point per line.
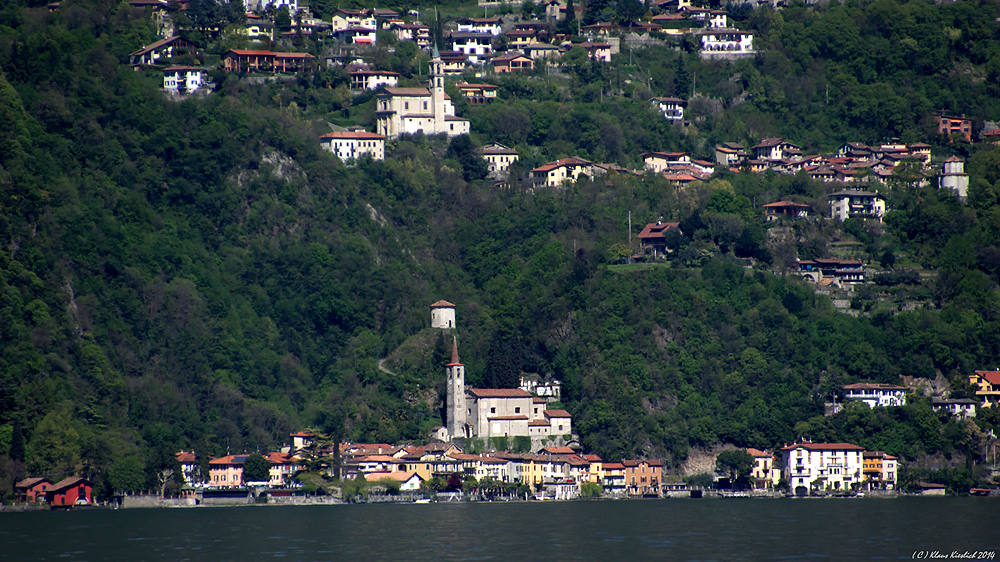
x=961, y=408
x=671, y=108
x=489, y=26
x=840, y=271
x=661, y=161
x=512, y=62
x=162, y=49
x=372, y=79
x=876, y=394
x=879, y=470
x=763, y=475
x=987, y=385
x=613, y=479
x=421, y=34
x=346, y=18
x=856, y=204
x=781, y=209
x=948, y=125
x=477, y=94
x=476, y=46
x=643, y=477
x=811, y=467
x=556, y=173
x=725, y=44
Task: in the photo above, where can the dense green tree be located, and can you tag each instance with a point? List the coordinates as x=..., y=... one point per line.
x=256, y=469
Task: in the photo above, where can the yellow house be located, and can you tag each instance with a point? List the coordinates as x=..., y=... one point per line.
x=763, y=475
x=987, y=385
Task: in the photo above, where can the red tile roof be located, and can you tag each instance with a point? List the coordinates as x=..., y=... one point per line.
x=992, y=377
x=872, y=386
x=352, y=135
x=557, y=414
x=824, y=447
x=186, y=457
x=499, y=393
x=28, y=483
x=559, y=450
x=657, y=229
x=757, y=453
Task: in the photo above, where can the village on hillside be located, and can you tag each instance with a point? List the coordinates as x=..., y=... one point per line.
x=510, y=443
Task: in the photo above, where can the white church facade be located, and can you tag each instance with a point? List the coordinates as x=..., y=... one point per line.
x=482, y=413
x=413, y=110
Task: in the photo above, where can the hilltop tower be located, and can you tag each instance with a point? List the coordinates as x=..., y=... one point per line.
x=456, y=394
x=437, y=91
x=443, y=315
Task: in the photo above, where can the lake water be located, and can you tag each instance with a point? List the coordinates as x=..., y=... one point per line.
x=626, y=531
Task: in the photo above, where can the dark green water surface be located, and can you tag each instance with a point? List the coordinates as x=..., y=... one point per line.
x=617, y=531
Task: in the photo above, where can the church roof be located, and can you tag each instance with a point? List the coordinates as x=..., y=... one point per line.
x=500, y=393
x=442, y=304
x=407, y=91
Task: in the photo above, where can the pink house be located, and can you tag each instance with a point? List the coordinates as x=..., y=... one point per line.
x=598, y=51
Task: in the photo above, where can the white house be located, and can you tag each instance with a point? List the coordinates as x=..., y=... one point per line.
x=953, y=177
x=345, y=18
x=560, y=422
x=491, y=26
x=372, y=79
x=961, y=408
x=354, y=144
x=876, y=394
x=671, y=108
x=476, y=46
x=861, y=204
x=721, y=43
x=661, y=161
x=499, y=158
x=822, y=466
x=182, y=79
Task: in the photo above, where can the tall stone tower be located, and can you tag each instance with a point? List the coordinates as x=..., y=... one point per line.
x=437, y=92
x=456, y=394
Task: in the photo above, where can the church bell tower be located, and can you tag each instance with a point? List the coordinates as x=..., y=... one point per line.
x=456, y=394
x=437, y=92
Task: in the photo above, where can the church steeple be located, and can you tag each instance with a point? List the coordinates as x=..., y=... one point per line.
x=437, y=91
x=456, y=394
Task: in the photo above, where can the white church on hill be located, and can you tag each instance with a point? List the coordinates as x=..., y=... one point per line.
x=412, y=110
x=482, y=413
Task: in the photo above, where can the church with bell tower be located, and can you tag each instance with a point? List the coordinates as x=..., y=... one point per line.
x=413, y=110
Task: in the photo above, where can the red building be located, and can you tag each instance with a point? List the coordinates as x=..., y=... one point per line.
x=32, y=489
x=949, y=124
x=70, y=491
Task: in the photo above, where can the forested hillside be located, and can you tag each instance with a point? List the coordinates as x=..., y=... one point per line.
x=200, y=274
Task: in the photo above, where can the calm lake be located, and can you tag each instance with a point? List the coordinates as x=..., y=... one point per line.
x=626, y=531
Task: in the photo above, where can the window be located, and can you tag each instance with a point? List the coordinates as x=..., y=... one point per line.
x=493, y=410
x=406, y=105
x=517, y=410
